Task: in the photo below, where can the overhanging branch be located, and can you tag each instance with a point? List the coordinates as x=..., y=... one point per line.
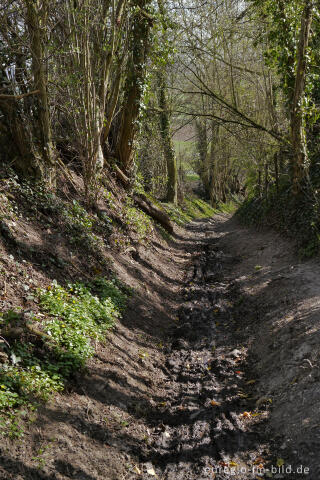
x=205, y=90
x=4, y=96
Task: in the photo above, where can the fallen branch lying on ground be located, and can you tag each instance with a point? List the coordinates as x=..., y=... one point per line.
x=154, y=212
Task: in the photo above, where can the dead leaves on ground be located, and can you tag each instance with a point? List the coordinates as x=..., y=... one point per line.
x=246, y=414
x=151, y=472
x=243, y=395
x=137, y=470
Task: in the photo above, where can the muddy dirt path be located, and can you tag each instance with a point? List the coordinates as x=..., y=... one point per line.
x=207, y=428
x=212, y=373
x=233, y=406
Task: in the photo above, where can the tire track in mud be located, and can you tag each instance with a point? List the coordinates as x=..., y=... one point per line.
x=209, y=426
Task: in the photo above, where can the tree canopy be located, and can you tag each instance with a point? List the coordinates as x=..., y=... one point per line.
x=154, y=90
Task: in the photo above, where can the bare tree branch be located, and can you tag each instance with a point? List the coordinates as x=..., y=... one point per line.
x=4, y=96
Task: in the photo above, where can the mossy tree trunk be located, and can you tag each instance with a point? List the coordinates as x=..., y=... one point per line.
x=134, y=84
x=202, y=147
x=36, y=20
x=165, y=117
x=298, y=130
x=169, y=153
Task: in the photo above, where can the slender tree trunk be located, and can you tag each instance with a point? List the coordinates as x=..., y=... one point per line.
x=133, y=90
x=172, y=181
x=111, y=107
x=36, y=23
x=259, y=182
x=202, y=146
x=276, y=169
x=213, y=166
x=266, y=177
x=298, y=133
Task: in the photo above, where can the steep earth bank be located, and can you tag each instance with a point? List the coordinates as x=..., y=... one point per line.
x=212, y=373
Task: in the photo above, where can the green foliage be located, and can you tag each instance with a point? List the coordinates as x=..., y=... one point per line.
x=192, y=177
x=77, y=317
x=25, y=379
x=9, y=210
x=282, y=20
x=80, y=224
x=78, y=314
x=23, y=375
x=137, y=221
x=230, y=206
x=109, y=199
x=19, y=384
x=139, y=184
x=39, y=198
x=191, y=209
x=78, y=217
x=82, y=227
x=10, y=424
x=177, y=215
x=296, y=217
x=197, y=208
x=114, y=289
x=164, y=233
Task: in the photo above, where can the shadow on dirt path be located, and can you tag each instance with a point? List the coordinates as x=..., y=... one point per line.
x=208, y=427
x=242, y=367
x=212, y=373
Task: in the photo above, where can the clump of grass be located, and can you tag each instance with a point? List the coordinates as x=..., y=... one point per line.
x=191, y=208
x=229, y=207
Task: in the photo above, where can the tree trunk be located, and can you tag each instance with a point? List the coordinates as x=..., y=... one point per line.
x=276, y=169
x=298, y=133
x=212, y=164
x=134, y=84
x=202, y=146
x=169, y=153
x=266, y=177
x=20, y=145
x=36, y=23
x=259, y=182
x=153, y=211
